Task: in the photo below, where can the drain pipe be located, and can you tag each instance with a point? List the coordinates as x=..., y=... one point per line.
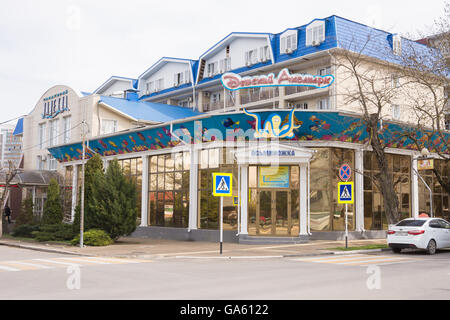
x=309, y=198
x=239, y=202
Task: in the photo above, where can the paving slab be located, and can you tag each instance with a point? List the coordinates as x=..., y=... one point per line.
x=144, y=248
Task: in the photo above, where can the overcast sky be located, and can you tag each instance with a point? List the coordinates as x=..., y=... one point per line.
x=82, y=43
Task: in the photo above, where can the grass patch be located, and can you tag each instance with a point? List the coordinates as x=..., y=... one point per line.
x=368, y=247
x=31, y=240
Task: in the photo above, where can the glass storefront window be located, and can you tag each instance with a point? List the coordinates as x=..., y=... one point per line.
x=169, y=190
x=132, y=169
x=440, y=197
x=399, y=167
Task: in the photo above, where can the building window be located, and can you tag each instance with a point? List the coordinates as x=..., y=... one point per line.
x=323, y=104
x=264, y=53
x=178, y=79
x=169, y=190
x=225, y=65
x=213, y=68
x=150, y=87
x=251, y=57
x=395, y=81
x=288, y=42
x=159, y=85
x=108, y=126
x=397, y=45
x=132, y=170
x=447, y=124
x=67, y=129
x=396, y=112
x=216, y=160
x=41, y=136
x=54, y=132
x=40, y=163
x=324, y=71
x=315, y=33
x=52, y=163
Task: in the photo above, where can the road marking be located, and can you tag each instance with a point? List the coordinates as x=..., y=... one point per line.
x=84, y=260
x=8, y=268
x=38, y=266
x=357, y=260
x=57, y=262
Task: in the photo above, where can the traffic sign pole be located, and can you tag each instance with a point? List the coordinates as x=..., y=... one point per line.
x=346, y=226
x=221, y=224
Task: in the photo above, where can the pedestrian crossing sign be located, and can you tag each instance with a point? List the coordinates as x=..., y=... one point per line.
x=222, y=184
x=346, y=193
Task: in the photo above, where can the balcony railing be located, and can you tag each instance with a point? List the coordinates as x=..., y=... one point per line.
x=258, y=95
x=216, y=105
x=294, y=90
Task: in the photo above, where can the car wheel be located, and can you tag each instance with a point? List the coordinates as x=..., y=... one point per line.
x=431, y=248
x=396, y=250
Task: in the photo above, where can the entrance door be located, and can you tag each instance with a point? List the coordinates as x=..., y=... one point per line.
x=274, y=213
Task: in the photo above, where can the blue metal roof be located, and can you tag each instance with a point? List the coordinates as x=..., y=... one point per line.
x=18, y=130
x=149, y=111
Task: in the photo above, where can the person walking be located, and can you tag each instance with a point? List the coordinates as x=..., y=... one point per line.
x=8, y=213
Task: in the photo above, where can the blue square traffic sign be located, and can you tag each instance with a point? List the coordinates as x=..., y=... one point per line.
x=222, y=184
x=346, y=193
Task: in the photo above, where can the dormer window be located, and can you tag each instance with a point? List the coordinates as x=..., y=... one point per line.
x=264, y=53
x=315, y=33
x=181, y=78
x=288, y=42
x=397, y=44
x=213, y=68
x=251, y=57
x=225, y=65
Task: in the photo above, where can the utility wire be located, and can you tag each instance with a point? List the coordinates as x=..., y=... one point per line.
x=12, y=119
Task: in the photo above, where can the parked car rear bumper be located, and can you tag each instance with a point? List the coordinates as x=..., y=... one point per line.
x=403, y=245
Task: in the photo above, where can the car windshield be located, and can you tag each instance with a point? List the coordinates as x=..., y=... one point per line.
x=411, y=223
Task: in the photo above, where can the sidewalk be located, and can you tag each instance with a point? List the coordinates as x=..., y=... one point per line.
x=161, y=249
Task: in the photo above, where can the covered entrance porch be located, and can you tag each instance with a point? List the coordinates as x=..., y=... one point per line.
x=274, y=184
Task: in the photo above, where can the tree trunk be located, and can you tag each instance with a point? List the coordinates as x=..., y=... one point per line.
x=385, y=179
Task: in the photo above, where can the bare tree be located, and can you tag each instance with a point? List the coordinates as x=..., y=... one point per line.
x=365, y=86
x=9, y=176
x=426, y=70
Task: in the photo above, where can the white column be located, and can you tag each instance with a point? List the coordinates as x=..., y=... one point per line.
x=303, y=200
x=244, y=199
x=414, y=189
x=359, y=190
x=193, y=190
x=144, y=198
x=74, y=192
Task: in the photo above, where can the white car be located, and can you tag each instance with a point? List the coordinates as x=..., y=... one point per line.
x=422, y=233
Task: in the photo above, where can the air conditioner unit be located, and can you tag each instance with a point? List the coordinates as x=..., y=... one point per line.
x=207, y=94
x=190, y=99
x=315, y=43
x=44, y=158
x=147, y=92
x=248, y=64
x=289, y=50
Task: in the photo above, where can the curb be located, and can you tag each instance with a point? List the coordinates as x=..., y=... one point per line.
x=336, y=253
x=37, y=248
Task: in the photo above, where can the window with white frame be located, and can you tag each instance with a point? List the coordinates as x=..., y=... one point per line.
x=187, y=76
x=178, y=79
x=323, y=104
x=397, y=44
x=150, y=87
x=213, y=68
x=395, y=81
x=54, y=132
x=108, y=126
x=447, y=123
x=251, y=57
x=315, y=33
x=67, y=129
x=324, y=71
x=52, y=163
x=41, y=136
x=288, y=42
x=225, y=65
x=40, y=163
x=159, y=85
x=264, y=53
x=395, y=112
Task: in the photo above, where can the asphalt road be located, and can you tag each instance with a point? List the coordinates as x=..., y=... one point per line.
x=26, y=274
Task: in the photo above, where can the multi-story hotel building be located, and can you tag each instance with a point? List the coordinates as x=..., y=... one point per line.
x=297, y=132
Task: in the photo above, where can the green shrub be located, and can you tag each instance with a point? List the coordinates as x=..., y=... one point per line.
x=26, y=213
x=54, y=232
x=94, y=237
x=25, y=230
x=53, y=213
